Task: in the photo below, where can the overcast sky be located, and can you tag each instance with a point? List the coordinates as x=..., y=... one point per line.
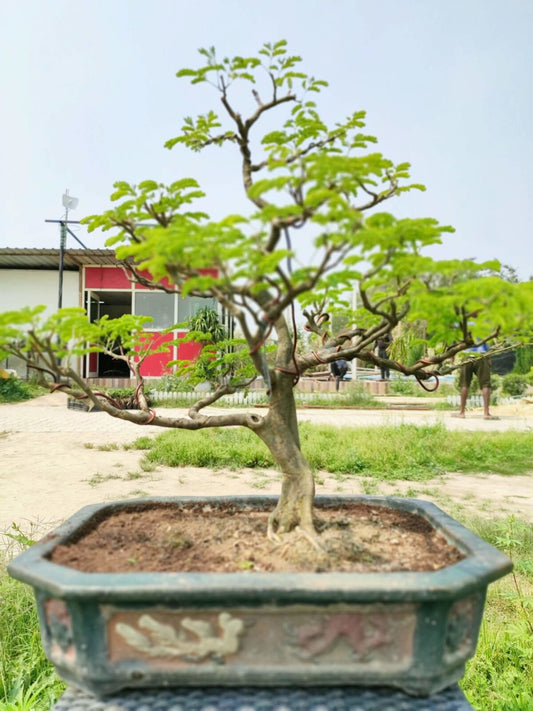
x=89, y=95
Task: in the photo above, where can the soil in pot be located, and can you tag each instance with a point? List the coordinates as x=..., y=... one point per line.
x=199, y=537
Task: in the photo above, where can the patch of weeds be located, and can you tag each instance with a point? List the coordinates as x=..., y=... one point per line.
x=468, y=496
x=111, y=447
x=370, y=487
x=141, y=443
x=18, y=535
x=101, y=479
x=147, y=466
x=88, y=445
x=131, y=476
x=260, y=483
x=412, y=493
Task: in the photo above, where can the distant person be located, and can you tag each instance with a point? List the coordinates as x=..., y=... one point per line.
x=338, y=369
x=481, y=368
x=382, y=345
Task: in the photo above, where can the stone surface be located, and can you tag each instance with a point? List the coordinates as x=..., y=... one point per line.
x=265, y=699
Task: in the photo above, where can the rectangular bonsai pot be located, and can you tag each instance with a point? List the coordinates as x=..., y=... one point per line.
x=410, y=630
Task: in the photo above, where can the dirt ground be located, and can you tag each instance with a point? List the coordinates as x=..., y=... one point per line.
x=55, y=460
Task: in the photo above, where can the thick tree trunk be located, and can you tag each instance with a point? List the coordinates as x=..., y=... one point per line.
x=279, y=431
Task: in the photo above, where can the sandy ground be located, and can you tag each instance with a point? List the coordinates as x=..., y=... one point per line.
x=55, y=460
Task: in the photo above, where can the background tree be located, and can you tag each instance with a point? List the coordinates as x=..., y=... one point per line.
x=309, y=184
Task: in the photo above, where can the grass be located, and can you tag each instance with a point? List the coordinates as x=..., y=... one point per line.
x=410, y=452
x=27, y=679
x=499, y=677
x=98, y=478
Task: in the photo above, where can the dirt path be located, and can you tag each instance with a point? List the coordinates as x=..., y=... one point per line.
x=55, y=460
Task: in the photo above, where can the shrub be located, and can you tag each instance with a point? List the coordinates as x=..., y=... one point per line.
x=126, y=398
x=514, y=384
x=14, y=390
x=403, y=386
x=524, y=360
x=172, y=383
x=495, y=381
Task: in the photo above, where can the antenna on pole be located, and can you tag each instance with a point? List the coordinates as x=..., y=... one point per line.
x=69, y=203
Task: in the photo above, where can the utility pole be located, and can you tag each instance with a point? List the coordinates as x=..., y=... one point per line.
x=69, y=203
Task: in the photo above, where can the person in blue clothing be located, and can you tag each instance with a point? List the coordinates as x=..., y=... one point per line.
x=338, y=369
x=480, y=367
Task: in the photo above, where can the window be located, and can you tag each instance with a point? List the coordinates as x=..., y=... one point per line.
x=159, y=306
x=189, y=305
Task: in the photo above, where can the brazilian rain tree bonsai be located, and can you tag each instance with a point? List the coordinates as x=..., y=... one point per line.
x=314, y=232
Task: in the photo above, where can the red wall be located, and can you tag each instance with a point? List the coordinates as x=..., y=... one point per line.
x=106, y=278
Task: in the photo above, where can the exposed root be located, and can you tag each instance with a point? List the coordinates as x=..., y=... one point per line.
x=311, y=537
x=271, y=534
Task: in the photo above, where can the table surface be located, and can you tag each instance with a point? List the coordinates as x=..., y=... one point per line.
x=264, y=699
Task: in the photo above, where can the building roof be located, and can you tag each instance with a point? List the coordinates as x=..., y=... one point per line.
x=73, y=259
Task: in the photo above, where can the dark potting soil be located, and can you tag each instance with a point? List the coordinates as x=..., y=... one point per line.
x=199, y=537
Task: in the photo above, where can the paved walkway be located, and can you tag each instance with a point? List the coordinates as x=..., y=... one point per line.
x=50, y=414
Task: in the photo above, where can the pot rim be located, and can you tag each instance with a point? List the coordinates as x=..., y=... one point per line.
x=483, y=564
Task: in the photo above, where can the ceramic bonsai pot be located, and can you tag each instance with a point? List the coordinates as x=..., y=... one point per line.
x=413, y=631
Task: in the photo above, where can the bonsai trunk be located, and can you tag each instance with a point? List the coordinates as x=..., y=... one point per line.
x=279, y=432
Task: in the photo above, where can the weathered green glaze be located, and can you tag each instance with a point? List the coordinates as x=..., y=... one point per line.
x=107, y=631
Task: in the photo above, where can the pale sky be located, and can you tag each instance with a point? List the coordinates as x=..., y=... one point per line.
x=89, y=96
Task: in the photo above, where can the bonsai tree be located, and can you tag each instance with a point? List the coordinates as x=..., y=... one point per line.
x=314, y=232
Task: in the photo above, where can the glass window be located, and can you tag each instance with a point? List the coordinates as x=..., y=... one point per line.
x=158, y=305
x=189, y=305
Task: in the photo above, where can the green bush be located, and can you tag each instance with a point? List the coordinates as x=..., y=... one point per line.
x=514, y=384
x=524, y=360
x=403, y=386
x=529, y=377
x=14, y=390
x=126, y=397
x=172, y=383
x=495, y=381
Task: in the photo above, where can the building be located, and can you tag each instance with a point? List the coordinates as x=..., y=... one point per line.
x=94, y=280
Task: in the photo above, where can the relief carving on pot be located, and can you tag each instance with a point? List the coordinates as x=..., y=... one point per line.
x=363, y=633
x=193, y=640
x=277, y=638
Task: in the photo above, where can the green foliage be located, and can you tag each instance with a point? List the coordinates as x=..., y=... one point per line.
x=524, y=359
x=514, y=384
x=495, y=381
x=207, y=321
x=14, y=390
x=171, y=383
